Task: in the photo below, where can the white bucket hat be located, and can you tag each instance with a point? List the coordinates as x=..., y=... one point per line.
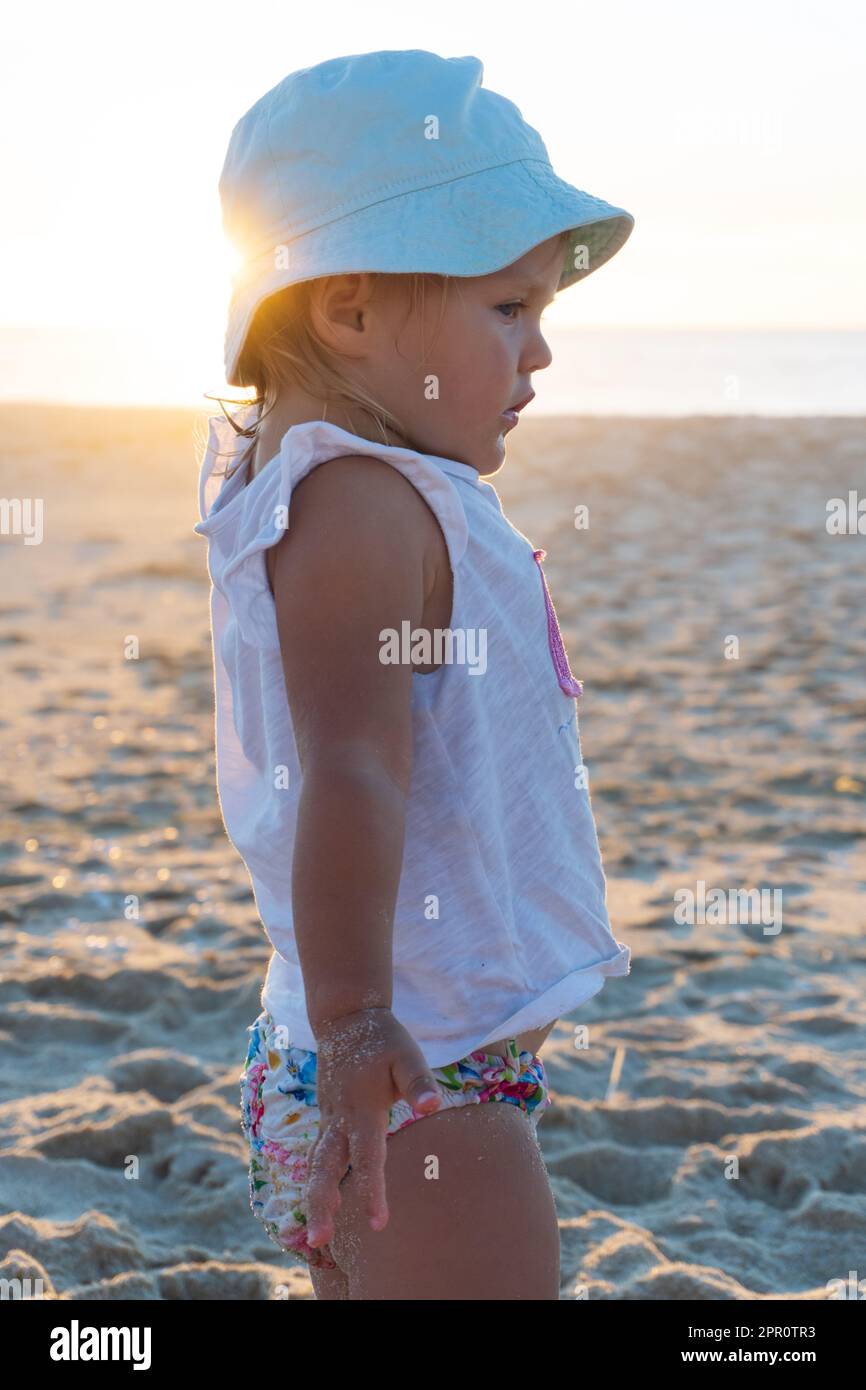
x=396, y=161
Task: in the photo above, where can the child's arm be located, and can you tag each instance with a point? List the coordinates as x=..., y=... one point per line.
x=357, y=558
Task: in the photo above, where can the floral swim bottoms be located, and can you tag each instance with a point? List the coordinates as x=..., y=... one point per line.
x=280, y=1118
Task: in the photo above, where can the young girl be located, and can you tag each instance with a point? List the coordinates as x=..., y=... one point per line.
x=398, y=757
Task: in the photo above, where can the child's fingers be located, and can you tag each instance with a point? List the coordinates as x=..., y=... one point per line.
x=368, y=1151
x=415, y=1081
x=328, y=1162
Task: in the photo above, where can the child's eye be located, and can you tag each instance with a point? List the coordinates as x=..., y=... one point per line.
x=513, y=304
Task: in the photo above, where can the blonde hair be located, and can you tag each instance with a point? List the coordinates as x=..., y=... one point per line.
x=282, y=346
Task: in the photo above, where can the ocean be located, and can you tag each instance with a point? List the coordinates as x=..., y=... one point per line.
x=595, y=371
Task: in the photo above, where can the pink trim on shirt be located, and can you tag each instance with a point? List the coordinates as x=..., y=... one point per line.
x=567, y=682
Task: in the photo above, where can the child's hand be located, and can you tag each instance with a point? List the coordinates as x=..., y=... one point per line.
x=366, y=1061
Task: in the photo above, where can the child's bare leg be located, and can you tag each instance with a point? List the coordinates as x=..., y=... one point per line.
x=485, y=1228
x=329, y=1285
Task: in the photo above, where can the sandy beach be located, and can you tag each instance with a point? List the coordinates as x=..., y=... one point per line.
x=708, y=1134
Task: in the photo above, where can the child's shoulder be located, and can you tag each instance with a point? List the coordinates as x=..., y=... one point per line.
x=362, y=510
x=357, y=560
x=362, y=497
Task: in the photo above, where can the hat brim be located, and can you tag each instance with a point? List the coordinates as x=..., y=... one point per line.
x=468, y=226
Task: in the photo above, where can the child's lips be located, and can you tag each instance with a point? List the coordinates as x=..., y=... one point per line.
x=512, y=415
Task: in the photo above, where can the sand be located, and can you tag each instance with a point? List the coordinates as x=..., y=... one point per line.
x=708, y=1142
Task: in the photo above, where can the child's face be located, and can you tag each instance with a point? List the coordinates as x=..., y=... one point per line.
x=478, y=364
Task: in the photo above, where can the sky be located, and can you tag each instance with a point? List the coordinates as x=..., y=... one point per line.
x=733, y=134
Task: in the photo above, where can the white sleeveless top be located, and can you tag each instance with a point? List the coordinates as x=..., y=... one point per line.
x=500, y=923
